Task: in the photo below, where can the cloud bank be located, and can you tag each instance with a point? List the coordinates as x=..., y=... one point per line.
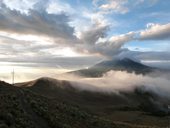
x=121, y=81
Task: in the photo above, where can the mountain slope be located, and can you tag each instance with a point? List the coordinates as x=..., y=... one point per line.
x=62, y=90
x=124, y=65
x=22, y=108
x=50, y=103
x=123, y=107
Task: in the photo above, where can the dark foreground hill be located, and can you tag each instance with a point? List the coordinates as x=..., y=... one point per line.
x=50, y=103
x=116, y=64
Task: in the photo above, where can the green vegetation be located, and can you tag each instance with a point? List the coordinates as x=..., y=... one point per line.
x=12, y=113
x=21, y=108
x=25, y=108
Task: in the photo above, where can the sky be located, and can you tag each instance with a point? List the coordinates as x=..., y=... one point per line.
x=49, y=37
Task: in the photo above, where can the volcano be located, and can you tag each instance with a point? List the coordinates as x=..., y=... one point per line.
x=125, y=64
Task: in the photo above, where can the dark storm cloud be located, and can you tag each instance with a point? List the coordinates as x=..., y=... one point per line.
x=92, y=35
x=36, y=23
x=95, y=40
x=113, y=46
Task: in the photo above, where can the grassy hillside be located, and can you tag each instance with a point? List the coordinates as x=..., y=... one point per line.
x=44, y=105
x=22, y=108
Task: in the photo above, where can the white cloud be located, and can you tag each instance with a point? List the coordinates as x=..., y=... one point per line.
x=58, y=7
x=155, y=32
x=117, y=6
x=122, y=38
x=121, y=81
x=147, y=2
x=20, y=5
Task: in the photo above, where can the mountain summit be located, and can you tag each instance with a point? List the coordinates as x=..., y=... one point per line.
x=125, y=64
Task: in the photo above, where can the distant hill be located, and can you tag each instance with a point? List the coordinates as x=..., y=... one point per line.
x=123, y=65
